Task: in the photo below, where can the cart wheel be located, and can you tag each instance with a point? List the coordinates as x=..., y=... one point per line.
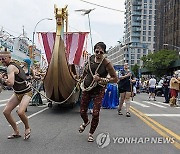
x=50, y=105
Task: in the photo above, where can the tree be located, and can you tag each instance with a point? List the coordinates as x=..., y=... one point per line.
x=158, y=62
x=135, y=70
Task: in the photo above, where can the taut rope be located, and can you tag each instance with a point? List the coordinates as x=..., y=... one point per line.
x=93, y=83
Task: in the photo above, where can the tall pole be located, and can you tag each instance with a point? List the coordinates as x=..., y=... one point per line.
x=87, y=12
x=178, y=48
x=90, y=32
x=33, y=44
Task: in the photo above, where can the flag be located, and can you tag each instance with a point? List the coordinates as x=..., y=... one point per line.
x=74, y=44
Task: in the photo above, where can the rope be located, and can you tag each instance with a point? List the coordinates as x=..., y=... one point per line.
x=51, y=99
x=93, y=83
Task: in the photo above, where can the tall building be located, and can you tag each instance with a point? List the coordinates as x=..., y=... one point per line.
x=168, y=24
x=139, y=30
x=116, y=55
x=139, y=33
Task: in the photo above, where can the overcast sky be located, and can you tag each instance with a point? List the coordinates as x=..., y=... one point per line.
x=106, y=25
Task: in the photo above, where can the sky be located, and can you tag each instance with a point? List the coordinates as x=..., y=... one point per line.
x=106, y=25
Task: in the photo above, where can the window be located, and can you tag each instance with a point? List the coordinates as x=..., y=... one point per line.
x=145, y=6
x=144, y=27
x=149, y=33
x=150, y=22
x=150, y=1
x=149, y=27
x=150, y=6
x=144, y=32
x=145, y=1
x=132, y=62
x=144, y=22
x=139, y=51
x=132, y=56
x=149, y=39
x=132, y=51
x=145, y=11
x=150, y=11
x=144, y=38
x=150, y=16
x=144, y=51
x=138, y=56
x=144, y=17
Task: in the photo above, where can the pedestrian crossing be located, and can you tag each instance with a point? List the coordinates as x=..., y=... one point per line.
x=154, y=104
x=140, y=104
x=146, y=104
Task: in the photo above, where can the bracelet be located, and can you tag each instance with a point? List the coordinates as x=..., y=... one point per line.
x=104, y=80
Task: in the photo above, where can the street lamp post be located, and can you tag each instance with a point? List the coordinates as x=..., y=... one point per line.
x=87, y=12
x=33, y=44
x=173, y=47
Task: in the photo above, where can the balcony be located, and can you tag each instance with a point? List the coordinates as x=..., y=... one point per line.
x=135, y=3
x=136, y=13
x=136, y=24
x=138, y=18
x=135, y=39
x=137, y=29
x=136, y=34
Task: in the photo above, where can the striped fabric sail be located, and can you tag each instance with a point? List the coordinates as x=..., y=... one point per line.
x=74, y=43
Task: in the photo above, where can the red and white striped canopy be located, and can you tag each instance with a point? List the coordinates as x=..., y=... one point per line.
x=75, y=43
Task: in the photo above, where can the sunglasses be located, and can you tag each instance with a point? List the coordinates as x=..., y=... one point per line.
x=99, y=52
x=2, y=59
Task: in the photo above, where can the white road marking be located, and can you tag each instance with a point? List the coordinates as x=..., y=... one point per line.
x=1, y=105
x=154, y=104
x=163, y=115
x=32, y=115
x=4, y=100
x=163, y=103
x=139, y=104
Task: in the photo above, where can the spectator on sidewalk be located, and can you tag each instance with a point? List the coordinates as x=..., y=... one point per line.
x=166, y=82
x=152, y=86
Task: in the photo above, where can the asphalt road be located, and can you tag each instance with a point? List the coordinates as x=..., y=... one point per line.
x=55, y=130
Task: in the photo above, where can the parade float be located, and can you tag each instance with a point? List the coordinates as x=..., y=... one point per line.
x=61, y=81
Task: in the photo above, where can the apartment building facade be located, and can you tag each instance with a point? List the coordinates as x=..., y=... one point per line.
x=139, y=32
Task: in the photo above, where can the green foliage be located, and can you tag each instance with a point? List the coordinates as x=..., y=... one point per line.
x=158, y=62
x=135, y=70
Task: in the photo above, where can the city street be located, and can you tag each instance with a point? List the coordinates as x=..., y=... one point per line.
x=56, y=130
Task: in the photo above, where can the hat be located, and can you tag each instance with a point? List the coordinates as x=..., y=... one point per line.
x=28, y=61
